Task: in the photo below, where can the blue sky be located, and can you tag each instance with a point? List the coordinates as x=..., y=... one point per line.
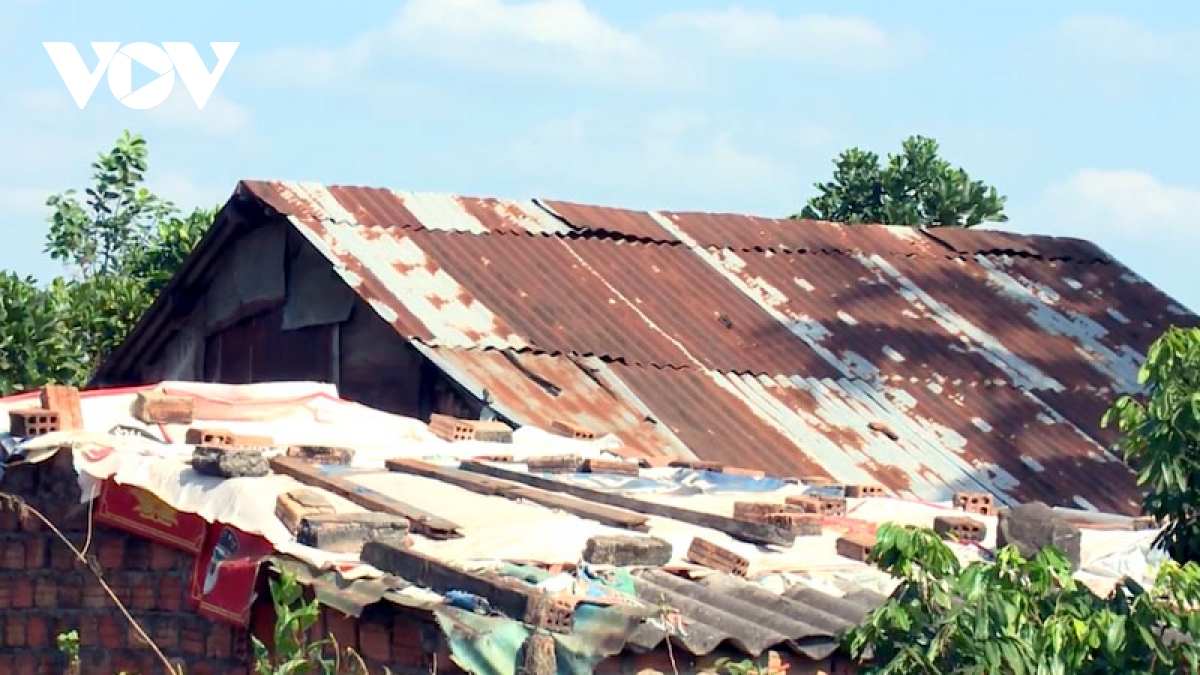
x=1084, y=114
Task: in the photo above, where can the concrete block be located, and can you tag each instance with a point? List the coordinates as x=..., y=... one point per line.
x=293, y=507
x=1034, y=526
x=229, y=462
x=349, y=532
x=626, y=551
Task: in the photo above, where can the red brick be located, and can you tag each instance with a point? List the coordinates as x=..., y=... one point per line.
x=61, y=557
x=89, y=630
x=22, y=597
x=170, y=593
x=143, y=591
x=191, y=641
x=165, y=633
x=70, y=591
x=25, y=664
x=6, y=592
x=342, y=629
x=10, y=520
x=13, y=556
x=37, y=633
x=220, y=642
x=94, y=596
x=30, y=523
x=45, y=593
x=110, y=552
x=374, y=641
x=166, y=558
x=112, y=631
x=137, y=554
x=35, y=553
x=14, y=630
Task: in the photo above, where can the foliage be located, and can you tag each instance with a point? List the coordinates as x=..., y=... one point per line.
x=915, y=187
x=120, y=244
x=1161, y=436
x=1017, y=616
x=293, y=653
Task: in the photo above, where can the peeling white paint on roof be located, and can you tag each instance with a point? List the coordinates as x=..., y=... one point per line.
x=1085, y=504
x=1177, y=310
x=1073, y=283
x=1022, y=373
x=444, y=212
x=1120, y=365
x=892, y=354
x=317, y=198
x=450, y=314
x=803, y=283
x=981, y=424
x=846, y=318
x=528, y=216
x=1032, y=463
x=1117, y=316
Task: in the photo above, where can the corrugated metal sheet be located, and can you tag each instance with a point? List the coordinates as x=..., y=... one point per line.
x=723, y=610
x=768, y=343
x=537, y=389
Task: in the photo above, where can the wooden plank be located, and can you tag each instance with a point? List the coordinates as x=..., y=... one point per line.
x=512, y=490
x=423, y=522
x=756, y=533
x=513, y=598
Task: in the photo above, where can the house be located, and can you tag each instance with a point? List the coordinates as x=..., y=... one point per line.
x=928, y=361
x=190, y=555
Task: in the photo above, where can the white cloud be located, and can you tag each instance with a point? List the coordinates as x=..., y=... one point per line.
x=219, y=117
x=668, y=159
x=841, y=42
x=567, y=40
x=1121, y=205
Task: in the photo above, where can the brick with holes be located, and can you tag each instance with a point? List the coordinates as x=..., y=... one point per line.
x=865, y=491
x=981, y=503
x=198, y=436
x=554, y=613
x=832, y=507
x=455, y=429
x=960, y=528
x=856, y=545
x=708, y=554
x=32, y=422
x=571, y=430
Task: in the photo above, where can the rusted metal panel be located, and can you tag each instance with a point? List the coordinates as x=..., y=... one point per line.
x=994, y=242
x=374, y=208
x=537, y=389
x=741, y=232
x=928, y=361
x=605, y=219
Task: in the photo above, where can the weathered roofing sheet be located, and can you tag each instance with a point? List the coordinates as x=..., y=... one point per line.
x=777, y=344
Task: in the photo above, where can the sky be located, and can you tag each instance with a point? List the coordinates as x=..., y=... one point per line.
x=1083, y=114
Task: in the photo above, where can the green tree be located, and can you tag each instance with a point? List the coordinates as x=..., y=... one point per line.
x=916, y=187
x=1015, y=616
x=120, y=244
x=1160, y=434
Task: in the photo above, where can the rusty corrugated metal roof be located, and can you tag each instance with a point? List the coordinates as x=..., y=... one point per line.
x=930, y=361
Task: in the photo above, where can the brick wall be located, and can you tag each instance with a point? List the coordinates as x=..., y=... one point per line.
x=44, y=590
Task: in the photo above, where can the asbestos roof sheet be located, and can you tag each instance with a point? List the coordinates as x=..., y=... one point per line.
x=769, y=343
